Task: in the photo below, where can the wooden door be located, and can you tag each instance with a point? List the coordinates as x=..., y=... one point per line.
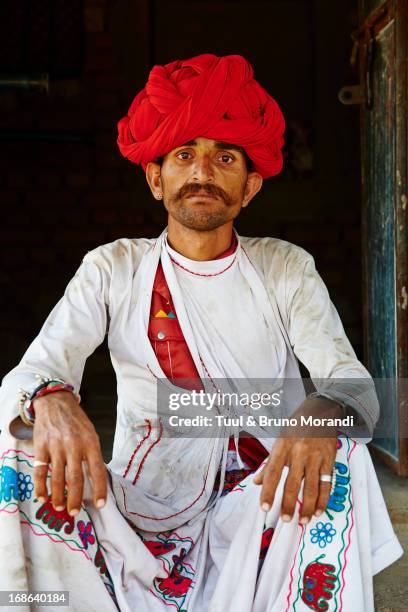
x=382, y=40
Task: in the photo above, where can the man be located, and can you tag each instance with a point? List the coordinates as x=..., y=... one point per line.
x=181, y=520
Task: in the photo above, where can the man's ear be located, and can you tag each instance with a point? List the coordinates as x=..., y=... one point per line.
x=253, y=185
x=153, y=177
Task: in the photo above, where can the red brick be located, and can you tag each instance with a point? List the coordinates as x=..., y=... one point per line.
x=20, y=119
x=109, y=159
x=108, y=82
x=78, y=181
x=45, y=217
x=94, y=18
x=9, y=101
x=333, y=276
x=25, y=237
x=18, y=179
x=106, y=100
x=66, y=155
x=107, y=199
x=8, y=198
x=102, y=61
x=103, y=40
x=89, y=238
x=352, y=237
x=348, y=216
x=73, y=254
x=131, y=216
x=104, y=216
x=74, y=217
x=134, y=178
x=71, y=123
x=17, y=216
x=44, y=255
x=107, y=179
x=38, y=200
x=333, y=254
x=106, y=139
x=51, y=180
x=13, y=255
x=104, y=121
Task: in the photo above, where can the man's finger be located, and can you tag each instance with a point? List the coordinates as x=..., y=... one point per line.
x=258, y=478
x=310, y=492
x=75, y=483
x=291, y=491
x=271, y=476
x=324, y=489
x=41, y=472
x=98, y=476
x=58, y=480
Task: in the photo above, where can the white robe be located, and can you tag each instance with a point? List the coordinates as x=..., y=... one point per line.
x=210, y=543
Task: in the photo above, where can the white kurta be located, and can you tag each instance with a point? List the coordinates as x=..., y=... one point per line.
x=201, y=550
x=221, y=296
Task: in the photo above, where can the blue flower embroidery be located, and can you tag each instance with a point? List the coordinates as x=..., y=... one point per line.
x=323, y=534
x=85, y=533
x=25, y=486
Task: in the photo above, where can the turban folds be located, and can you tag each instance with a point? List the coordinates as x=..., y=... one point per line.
x=206, y=96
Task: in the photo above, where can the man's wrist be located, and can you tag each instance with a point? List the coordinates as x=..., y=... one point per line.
x=47, y=400
x=321, y=406
x=45, y=387
x=321, y=409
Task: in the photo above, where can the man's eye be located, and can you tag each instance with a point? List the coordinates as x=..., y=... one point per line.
x=183, y=155
x=226, y=158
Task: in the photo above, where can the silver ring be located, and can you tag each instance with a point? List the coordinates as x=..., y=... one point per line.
x=38, y=463
x=325, y=477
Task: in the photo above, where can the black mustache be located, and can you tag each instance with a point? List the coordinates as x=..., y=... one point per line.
x=193, y=188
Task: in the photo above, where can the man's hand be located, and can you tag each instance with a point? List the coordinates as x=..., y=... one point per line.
x=65, y=437
x=307, y=458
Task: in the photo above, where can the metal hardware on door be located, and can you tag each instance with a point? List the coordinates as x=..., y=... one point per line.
x=360, y=94
x=37, y=82
x=364, y=43
x=351, y=94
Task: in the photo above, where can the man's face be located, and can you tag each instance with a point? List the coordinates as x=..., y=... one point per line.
x=204, y=183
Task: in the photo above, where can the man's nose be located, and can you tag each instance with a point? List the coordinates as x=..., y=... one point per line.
x=202, y=169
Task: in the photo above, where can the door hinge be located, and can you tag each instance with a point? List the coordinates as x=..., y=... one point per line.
x=364, y=44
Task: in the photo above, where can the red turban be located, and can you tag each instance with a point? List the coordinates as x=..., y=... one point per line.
x=208, y=96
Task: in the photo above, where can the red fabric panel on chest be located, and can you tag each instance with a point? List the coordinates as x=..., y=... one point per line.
x=174, y=356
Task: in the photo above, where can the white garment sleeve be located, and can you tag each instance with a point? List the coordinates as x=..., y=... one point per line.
x=319, y=341
x=72, y=331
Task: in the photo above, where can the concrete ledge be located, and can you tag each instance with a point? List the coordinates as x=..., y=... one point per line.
x=391, y=585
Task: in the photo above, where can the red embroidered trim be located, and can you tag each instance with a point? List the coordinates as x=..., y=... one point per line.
x=137, y=447
x=146, y=454
x=208, y=374
x=197, y=273
x=153, y=518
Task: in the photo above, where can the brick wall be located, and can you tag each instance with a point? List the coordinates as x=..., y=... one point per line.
x=62, y=198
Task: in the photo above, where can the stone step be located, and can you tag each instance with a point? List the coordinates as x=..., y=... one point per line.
x=391, y=585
